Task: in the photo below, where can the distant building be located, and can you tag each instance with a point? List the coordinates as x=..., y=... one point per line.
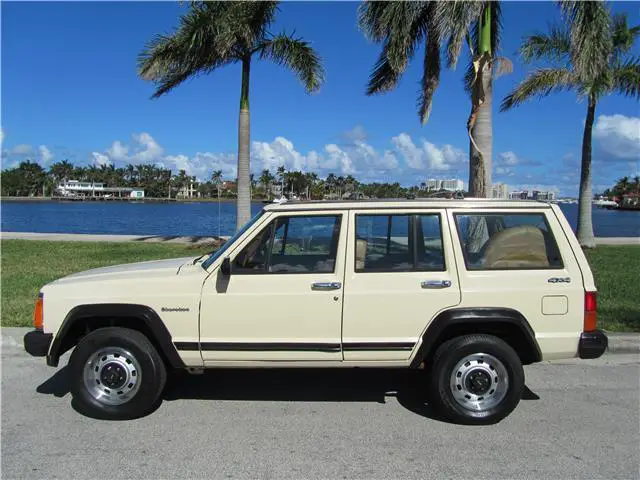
x=189, y=191
x=76, y=188
x=543, y=196
x=499, y=190
x=452, y=185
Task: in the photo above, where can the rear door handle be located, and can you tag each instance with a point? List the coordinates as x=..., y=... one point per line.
x=436, y=284
x=326, y=286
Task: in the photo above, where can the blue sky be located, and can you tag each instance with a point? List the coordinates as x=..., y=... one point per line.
x=69, y=90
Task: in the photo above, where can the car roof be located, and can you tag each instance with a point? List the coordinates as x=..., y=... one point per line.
x=403, y=203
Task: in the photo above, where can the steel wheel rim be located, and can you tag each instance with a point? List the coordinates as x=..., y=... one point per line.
x=112, y=376
x=479, y=382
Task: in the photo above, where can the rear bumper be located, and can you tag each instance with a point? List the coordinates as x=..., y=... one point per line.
x=592, y=344
x=37, y=343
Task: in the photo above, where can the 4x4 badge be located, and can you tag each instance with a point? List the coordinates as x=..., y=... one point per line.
x=559, y=280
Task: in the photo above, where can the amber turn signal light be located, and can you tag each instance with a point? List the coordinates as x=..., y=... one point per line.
x=38, y=320
x=590, y=311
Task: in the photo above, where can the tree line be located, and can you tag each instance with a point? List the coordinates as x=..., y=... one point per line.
x=29, y=179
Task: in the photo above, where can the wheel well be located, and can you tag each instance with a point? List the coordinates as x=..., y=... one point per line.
x=510, y=332
x=83, y=326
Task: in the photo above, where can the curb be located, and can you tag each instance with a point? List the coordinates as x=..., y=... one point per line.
x=619, y=343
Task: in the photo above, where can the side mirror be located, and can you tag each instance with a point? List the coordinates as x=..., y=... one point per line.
x=225, y=268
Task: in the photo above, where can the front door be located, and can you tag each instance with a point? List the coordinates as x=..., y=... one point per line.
x=283, y=299
x=400, y=273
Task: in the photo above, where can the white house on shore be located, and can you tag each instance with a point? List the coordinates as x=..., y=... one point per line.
x=76, y=188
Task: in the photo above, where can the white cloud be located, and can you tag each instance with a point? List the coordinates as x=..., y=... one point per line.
x=22, y=149
x=618, y=135
x=356, y=134
x=1, y=137
x=100, y=159
x=146, y=150
x=430, y=156
x=118, y=151
x=508, y=158
x=45, y=154
x=338, y=159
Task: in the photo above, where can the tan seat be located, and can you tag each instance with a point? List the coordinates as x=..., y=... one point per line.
x=361, y=253
x=516, y=247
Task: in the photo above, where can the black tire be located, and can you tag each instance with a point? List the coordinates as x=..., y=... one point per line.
x=446, y=363
x=152, y=374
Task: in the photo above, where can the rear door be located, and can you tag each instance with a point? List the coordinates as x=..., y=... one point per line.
x=399, y=274
x=520, y=259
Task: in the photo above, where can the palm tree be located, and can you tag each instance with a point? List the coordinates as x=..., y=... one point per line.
x=216, y=179
x=266, y=179
x=282, y=173
x=215, y=34
x=588, y=57
x=402, y=26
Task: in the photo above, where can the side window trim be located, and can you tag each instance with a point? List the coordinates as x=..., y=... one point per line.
x=412, y=238
x=465, y=257
x=272, y=226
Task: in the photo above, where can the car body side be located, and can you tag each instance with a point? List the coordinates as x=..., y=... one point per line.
x=182, y=296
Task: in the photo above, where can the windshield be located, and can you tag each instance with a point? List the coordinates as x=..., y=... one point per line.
x=225, y=246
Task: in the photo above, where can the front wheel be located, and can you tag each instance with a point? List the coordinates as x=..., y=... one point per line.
x=116, y=374
x=476, y=379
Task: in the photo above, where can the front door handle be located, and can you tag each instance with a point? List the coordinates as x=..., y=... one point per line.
x=436, y=284
x=325, y=286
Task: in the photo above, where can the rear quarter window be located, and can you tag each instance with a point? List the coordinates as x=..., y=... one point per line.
x=507, y=241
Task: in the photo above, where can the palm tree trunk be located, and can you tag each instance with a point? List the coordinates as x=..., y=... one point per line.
x=243, y=214
x=585, y=225
x=482, y=133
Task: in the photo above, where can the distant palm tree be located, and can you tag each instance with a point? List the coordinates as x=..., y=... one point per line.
x=402, y=26
x=215, y=34
x=266, y=179
x=216, y=179
x=282, y=173
x=589, y=56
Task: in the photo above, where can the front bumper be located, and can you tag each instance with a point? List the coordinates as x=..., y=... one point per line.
x=592, y=344
x=37, y=343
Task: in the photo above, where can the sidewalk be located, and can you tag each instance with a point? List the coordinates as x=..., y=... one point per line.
x=81, y=237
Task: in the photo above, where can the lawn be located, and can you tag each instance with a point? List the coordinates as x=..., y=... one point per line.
x=27, y=265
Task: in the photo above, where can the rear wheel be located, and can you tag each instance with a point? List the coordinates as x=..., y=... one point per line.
x=476, y=379
x=116, y=373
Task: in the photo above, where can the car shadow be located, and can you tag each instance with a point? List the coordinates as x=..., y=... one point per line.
x=294, y=385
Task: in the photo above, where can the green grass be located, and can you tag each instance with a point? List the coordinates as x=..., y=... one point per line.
x=617, y=273
x=27, y=265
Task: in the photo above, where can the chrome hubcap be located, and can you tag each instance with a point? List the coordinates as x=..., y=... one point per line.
x=479, y=382
x=112, y=376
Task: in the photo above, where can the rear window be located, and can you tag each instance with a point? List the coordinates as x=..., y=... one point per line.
x=505, y=241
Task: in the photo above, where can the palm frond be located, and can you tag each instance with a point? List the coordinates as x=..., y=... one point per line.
x=502, y=66
x=372, y=20
x=540, y=83
x=626, y=78
x=555, y=45
x=430, y=74
x=454, y=21
x=590, y=35
x=623, y=37
x=297, y=55
x=383, y=77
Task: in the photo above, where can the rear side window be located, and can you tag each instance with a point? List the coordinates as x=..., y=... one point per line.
x=398, y=243
x=504, y=241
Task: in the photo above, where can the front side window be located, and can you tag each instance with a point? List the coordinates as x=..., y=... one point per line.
x=296, y=244
x=398, y=243
x=504, y=241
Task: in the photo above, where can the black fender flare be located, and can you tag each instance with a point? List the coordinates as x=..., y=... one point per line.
x=148, y=316
x=475, y=317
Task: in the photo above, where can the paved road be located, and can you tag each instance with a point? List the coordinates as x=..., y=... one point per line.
x=580, y=420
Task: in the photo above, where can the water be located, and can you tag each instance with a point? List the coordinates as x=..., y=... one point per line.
x=201, y=219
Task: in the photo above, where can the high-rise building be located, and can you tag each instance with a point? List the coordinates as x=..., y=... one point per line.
x=499, y=190
x=453, y=185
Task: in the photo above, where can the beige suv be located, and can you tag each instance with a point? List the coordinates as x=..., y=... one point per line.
x=467, y=291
